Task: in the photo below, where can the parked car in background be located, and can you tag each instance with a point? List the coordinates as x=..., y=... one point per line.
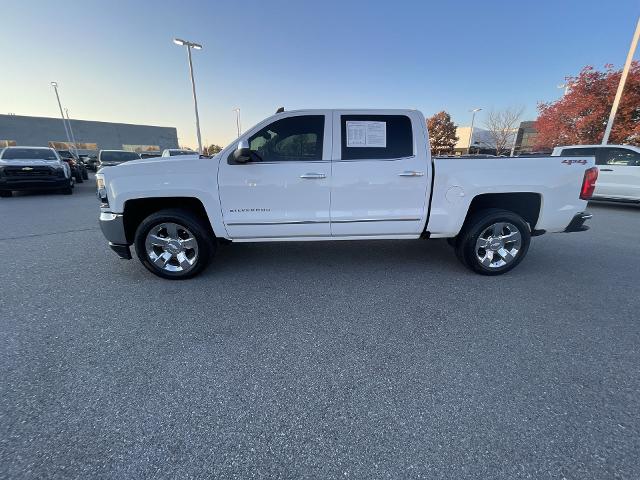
x=150, y=154
x=109, y=158
x=318, y=175
x=91, y=161
x=78, y=170
x=174, y=152
x=619, y=169
x=33, y=168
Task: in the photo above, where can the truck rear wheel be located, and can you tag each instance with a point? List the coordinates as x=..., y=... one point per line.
x=493, y=241
x=174, y=244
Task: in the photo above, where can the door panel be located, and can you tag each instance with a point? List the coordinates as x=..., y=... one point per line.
x=285, y=191
x=378, y=196
x=619, y=173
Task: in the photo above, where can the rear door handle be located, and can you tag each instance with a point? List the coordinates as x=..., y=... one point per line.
x=606, y=170
x=313, y=175
x=411, y=174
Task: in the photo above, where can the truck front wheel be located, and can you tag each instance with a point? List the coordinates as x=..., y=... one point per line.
x=493, y=241
x=174, y=244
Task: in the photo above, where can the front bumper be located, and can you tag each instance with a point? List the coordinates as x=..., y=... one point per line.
x=577, y=223
x=112, y=226
x=22, y=184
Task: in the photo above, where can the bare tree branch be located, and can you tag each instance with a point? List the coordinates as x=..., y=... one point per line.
x=502, y=125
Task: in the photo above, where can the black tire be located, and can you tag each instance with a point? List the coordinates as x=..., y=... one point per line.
x=467, y=249
x=78, y=177
x=5, y=193
x=206, y=245
x=85, y=174
x=67, y=191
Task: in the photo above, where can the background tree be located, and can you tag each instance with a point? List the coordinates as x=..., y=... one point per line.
x=212, y=149
x=502, y=126
x=580, y=116
x=442, y=133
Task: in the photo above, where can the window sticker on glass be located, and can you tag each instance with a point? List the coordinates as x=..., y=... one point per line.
x=367, y=134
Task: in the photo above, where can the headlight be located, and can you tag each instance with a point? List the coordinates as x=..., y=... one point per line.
x=102, y=191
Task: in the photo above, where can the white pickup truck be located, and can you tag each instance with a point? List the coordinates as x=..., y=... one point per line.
x=339, y=175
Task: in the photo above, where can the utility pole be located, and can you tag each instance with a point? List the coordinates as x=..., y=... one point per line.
x=473, y=117
x=237, y=110
x=73, y=138
x=189, y=46
x=623, y=79
x=66, y=130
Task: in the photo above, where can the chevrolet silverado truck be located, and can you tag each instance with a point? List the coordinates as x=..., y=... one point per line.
x=339, y=175
x=33, y=168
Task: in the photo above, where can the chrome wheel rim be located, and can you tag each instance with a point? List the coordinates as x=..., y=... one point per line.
x=172, y=247
x=498, y=245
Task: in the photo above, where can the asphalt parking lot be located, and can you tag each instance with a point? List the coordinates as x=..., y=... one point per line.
x=316, y=360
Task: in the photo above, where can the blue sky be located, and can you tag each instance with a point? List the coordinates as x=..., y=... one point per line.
x=114, y=60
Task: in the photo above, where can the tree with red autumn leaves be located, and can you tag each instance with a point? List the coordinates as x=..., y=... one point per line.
x=580, y=116
x=442, y=133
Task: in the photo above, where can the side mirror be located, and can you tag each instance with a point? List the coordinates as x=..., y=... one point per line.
x=242, y=153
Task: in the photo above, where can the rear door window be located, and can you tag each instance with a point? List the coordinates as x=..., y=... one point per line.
x=376, y=137
x=619, y=156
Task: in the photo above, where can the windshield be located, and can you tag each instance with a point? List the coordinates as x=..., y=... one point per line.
x=65, y=154
x=118, y=156
x=29, y=154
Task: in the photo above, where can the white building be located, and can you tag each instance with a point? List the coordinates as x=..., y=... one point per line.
x=482, y=141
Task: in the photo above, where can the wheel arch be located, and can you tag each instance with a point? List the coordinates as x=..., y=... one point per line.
x=526, y=204
x=137, y=209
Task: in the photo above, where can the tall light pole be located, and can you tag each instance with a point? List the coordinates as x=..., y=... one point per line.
x=66, y=130
x=189, y=46
x=237, y=110
x=473, y=117
x=623, y=79
x=73, y=138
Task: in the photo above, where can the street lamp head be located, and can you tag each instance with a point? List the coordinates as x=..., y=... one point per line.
x=186, y=43
x=475, y=110
x=54, y=84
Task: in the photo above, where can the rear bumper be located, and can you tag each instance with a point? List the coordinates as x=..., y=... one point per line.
x=577, y=223
x=22, y=184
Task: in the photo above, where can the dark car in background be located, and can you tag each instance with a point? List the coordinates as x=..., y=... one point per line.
x=33, y=168
x=109, y=158
x=150, y=154
x=78, y=170
x=90, y=161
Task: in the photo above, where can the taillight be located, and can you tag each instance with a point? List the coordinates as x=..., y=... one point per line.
x=589, y=183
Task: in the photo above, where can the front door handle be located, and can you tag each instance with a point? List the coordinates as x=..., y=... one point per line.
x=411, y=174
x=606, y=170
x=313, y=175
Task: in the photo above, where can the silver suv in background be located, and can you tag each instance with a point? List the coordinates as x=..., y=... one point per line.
x=619, y=169
x=33, y=168
x=109, y=158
